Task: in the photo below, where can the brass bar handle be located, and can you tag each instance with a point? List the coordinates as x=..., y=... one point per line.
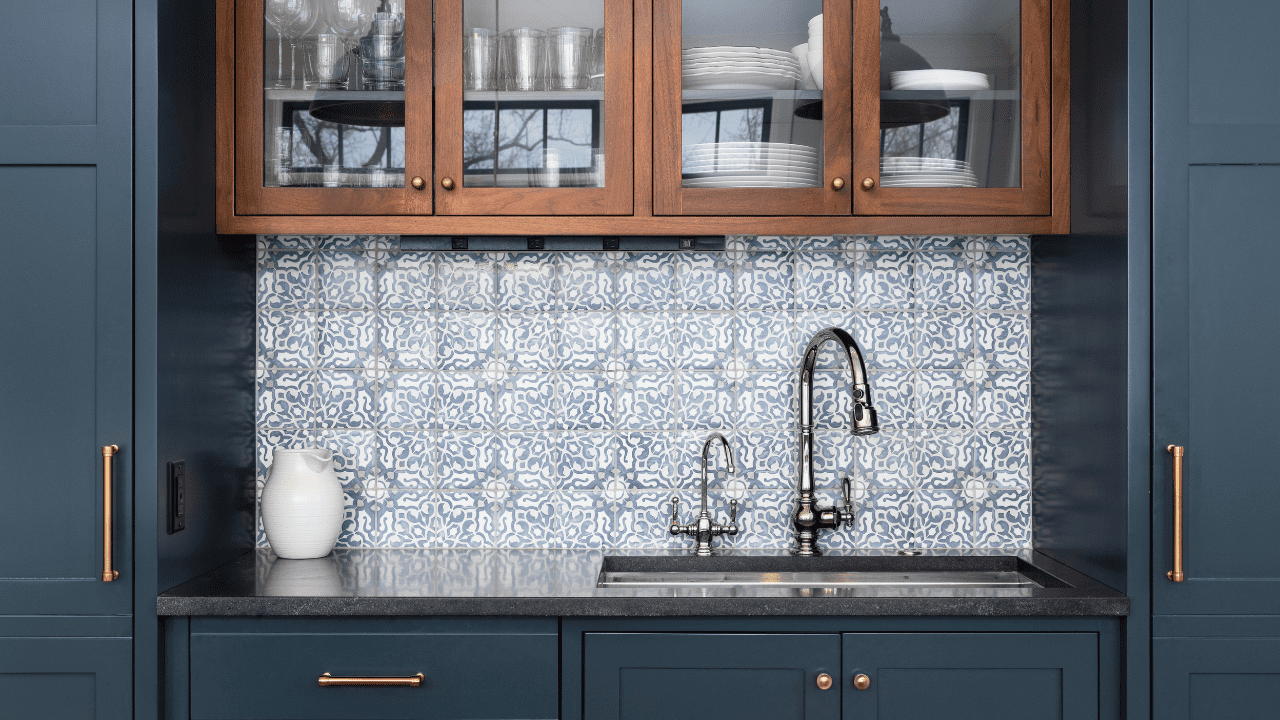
x=108, y=452
x=1177, y=451
x=327, y=680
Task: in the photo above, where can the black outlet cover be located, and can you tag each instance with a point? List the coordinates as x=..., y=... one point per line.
x=177, y=496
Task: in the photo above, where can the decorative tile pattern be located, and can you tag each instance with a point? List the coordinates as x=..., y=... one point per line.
x=513, y=400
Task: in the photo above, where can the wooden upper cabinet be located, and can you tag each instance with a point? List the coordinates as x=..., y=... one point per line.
x=533, y=107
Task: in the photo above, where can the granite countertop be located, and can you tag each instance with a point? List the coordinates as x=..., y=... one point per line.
x=563, y=583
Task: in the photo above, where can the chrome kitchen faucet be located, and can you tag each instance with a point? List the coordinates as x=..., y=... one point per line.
x=810, y=518
x=703, y=529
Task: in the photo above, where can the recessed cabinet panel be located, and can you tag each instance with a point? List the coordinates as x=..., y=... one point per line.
x=65, y=678
x=1202, y=678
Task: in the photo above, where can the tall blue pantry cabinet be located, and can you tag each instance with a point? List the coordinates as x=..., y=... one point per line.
x=1215, y=394
x=66, y=368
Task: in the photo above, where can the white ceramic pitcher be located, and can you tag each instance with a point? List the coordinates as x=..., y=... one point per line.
x=302, y=503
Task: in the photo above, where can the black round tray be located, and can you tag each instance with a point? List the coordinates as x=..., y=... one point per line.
x=366, y=113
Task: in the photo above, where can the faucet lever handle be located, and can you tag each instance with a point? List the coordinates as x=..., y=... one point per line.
x=733, y=517
x=846, y=485
x=675, y=515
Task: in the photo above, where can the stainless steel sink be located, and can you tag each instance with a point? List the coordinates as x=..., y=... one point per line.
x=957, y=578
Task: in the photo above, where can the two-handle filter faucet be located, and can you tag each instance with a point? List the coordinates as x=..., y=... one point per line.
x=703, y=529
x=809, y=518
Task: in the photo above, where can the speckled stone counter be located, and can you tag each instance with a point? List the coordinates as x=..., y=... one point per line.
x=563, y=583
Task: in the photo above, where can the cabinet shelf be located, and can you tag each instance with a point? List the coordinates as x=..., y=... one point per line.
x=292, y=95
x=532, y=95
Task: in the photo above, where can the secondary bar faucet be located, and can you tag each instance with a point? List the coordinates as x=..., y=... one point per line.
x=703, y=529
x=809, y=518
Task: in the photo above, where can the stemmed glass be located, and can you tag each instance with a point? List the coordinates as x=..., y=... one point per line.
x=350, y=19
x=291, y=19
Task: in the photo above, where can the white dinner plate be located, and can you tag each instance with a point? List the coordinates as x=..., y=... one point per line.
x=922, y=184
x=751, y=145
x=739, y=183
x=734, y=50
x=938, y=79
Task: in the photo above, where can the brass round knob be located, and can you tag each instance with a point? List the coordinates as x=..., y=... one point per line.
x=837, y=184
x=824, y=682
x=862, y=682
x=447, y=183
x=418, y=183
x=868, y=183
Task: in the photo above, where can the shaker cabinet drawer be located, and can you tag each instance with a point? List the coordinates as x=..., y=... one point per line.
x=484, y=668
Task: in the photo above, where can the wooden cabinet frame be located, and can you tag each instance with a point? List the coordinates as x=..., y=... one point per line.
x=299, y=211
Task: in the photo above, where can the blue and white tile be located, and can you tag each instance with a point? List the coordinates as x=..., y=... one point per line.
x=286, y=399
x=407, y=459
x=646, y=281
x=687, y=454
x=834, y=457
x=584, y=401
x=647, y=340
x=466, y=520
x=344, y=399
x=286, y=339
x=407, y=400
x=1004, y=340
x=766, y=458
x=706, y=401
x=832, y=399
x=287, y=281
x=646, y=460
x=345, y=338
x=766, y=339
x=945, y=400
x=529, y=460
x=886, y=519
x=824, y=281
x=584, y=281
x=646, y=401
x=884, y=460
x=641, y=520
x=407, y=281
x=706, y=340
x=526, y=282
x=764, y=519
x=943, y=281
x=527, y=520
x=893, y=395
x=1004, y=399
x=821, y=242
x=527, y=341
x=1009, y=243
x=587, y=339
x=268, y=440
x=1004, y=282
x=407, y=340
x=584, y=521
x=889, y=339
x=466, y=401
x=359, y=520
x=1001, y=520
x=885, y=280
x=755, y=243
x=704, y=281
x=466, y=339
x=412, y=520
x=766, y=281
x=954, y=244
x=466, y=460
x=767, y=400
x=939, y=522
x=585, y=459
x=941, y=457
x=342, y=242
x=354, y=455
x=810, y=322
x=345, y=281
x=945, y=340
x=467, y=281
x=526, y=401
x=286, y=242
x=1003, y=457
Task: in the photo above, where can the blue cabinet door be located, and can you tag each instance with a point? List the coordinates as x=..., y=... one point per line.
x=971, y=676
x=65, y=302
x=1210, y=678
x=1216, y=303
x=659, y=676
x=65, y=678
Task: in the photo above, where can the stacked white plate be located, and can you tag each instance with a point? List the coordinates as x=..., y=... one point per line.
x=925, y=172
x=750, y=165
x=739, y=68
x=954, y=80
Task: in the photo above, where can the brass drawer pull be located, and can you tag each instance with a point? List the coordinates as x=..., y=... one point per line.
x=327, y=680
x=108, y=452
x=1177, y=451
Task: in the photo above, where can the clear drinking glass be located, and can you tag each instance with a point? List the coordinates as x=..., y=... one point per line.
x=282, y=158
x=329, y=62
x=479, y=59
x=568, y=51
x=382, y=62
x=595, y=80
x=522, y=59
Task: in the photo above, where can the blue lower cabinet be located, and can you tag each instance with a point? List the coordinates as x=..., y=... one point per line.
x=271, y=669
x=659, y=676
x=66, y=678
x=970, y=676
x=1206, y=678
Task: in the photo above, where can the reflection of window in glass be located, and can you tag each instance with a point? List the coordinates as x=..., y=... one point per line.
x=727, y=121
x=317, y=143
x=947, y=137
x=523, y=131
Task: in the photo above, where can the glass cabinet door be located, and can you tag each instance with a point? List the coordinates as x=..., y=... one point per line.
x=951, y=112
x=534, y=107
x=751, y=107
x=333, y=107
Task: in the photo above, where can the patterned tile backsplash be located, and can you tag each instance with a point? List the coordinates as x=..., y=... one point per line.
x=561, y=399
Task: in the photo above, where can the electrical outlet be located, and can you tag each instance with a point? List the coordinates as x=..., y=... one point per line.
x=177, y=496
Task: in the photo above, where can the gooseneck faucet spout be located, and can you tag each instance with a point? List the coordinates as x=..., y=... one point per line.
x=703, y=529
x=809, y=518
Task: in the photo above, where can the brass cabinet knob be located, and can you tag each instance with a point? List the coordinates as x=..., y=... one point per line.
x=862, y=682
x=868, y=183
x=417, y=182
x=837, y=184
x=447, y=183
x=824, y=682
